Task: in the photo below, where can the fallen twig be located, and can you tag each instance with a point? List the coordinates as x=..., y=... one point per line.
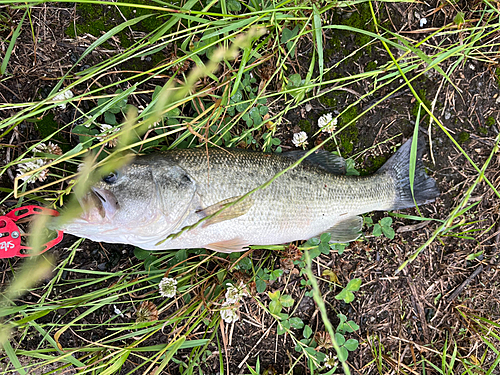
x=464, y=284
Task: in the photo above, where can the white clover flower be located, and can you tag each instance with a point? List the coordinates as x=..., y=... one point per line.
x=300, y=139
x=168, y=287
x=235, y=293
x=36, y=162
x=331, y=361
x=327, y=123
x=107, y=130
x=31, y=166
x=68, y=94
x=48, y=149
x=229, y=312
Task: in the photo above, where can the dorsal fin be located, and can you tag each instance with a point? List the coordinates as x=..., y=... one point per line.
x=321, y=158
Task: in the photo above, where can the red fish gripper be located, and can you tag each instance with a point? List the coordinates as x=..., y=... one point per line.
x=10, y=235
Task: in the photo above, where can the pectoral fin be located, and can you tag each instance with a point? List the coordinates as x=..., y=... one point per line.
x=236, y=210
x=346, y=230
x=229, y=246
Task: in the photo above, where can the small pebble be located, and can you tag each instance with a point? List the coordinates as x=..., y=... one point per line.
x=423, y=22
x=447, y=115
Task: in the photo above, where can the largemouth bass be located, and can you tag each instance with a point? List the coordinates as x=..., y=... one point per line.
x=194, y=199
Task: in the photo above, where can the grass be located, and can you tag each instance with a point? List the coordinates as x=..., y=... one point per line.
x=226, y=98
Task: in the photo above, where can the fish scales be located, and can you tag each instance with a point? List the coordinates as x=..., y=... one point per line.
x=305, y=201
x=166, y=193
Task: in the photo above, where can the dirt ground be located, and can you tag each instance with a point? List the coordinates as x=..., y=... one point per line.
x=403, y=316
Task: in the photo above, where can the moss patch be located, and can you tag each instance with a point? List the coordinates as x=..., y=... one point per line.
x=463, y=137
x=361, y=19
x=349, y=136
x=95, y=19
x=372, y=65
x=305, y=126
x=147, y=25
x=490, y=121
x=329, y=100
x=373, y=164
x=46, y=126
x=344, y=42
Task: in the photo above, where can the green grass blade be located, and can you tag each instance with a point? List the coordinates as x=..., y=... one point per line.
x=233, y=26
x=171, y=22
x=12, y=43
x=451, y=217
x=185, y=345
x=413, y=157
x=494, y=366
x=67, y=357
x=241, y=69
x=13, y=358
x=115, y=30
x=452, y=361
x=318, y=35
x=417, y=51
x=172, y=349
x=32, y=317
x=116, y=364
x=322, y=308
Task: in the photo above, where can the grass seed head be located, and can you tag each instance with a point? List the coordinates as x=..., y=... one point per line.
x=323, y=339
x=147, y=312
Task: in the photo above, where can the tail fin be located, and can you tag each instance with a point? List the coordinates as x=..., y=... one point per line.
x=398, y=166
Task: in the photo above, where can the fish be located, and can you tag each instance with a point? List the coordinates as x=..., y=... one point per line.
x=198, y=198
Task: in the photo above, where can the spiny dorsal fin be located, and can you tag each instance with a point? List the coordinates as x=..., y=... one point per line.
x=346, y=230
x=321, y=158
x=236, y=210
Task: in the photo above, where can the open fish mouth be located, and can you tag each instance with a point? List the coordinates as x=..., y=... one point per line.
x=98, y=204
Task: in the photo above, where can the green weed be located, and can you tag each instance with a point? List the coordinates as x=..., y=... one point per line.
x=225, y=98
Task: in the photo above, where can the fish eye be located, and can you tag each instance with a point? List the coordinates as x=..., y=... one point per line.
x=110, y=178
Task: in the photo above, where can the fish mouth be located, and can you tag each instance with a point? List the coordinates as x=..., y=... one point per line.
x=98, y=204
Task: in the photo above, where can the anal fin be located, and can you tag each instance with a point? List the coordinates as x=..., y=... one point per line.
x=228, y=246
x=346, y=230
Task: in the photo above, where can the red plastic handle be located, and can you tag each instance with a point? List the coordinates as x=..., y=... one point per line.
x=10, y=240
x=10, y=236
x=20, y=212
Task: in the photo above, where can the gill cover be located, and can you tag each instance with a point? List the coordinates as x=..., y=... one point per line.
x=176, y=192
